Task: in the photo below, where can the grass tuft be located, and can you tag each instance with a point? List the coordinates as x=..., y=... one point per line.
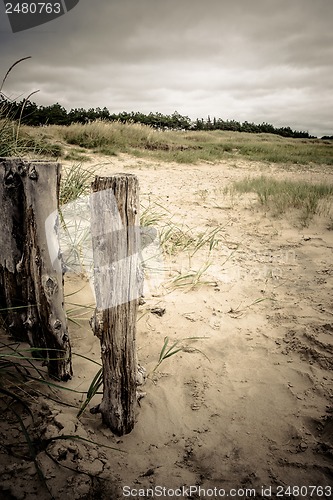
x=18, y=140
x=75, y=182
x=111, y=138
x=283, y=195
x=181, y=345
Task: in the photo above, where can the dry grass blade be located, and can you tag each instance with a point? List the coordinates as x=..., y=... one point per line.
x=21, y=112
x=9, y=129
x=191, y=279
x=11, y=68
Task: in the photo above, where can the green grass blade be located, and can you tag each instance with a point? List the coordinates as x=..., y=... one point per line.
x=166, y=341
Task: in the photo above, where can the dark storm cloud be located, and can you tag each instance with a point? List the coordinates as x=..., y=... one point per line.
x=258, y=60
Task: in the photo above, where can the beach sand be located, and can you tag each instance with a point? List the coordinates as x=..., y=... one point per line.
x=247, y=406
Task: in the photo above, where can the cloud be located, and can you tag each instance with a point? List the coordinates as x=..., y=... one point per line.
x=261, y=60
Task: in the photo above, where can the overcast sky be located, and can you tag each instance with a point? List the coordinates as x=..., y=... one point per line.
x=255, y=60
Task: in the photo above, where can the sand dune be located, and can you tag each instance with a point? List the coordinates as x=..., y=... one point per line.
x=248, y=405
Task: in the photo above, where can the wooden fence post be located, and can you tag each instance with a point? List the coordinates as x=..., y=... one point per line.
x=116, y=245
x=31, y=286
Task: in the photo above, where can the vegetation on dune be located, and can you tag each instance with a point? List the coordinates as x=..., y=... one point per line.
x=165, y=137
x=192, y=146
x=30, y=113
x=14, y=141
x=283, y=195
x=111, y=138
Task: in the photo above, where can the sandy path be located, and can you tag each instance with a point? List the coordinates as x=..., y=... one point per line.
x=249, y=405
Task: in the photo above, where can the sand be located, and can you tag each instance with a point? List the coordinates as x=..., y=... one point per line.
x=244, y=411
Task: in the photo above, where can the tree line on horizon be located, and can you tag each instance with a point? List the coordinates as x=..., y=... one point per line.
x=29, y=113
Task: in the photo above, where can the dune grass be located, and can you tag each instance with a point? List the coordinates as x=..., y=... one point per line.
x=10, y=144
x=111, y=138
x=176, y=240
x=283, y=195
x=21, y=141
x=37, y=141
x=75, y=182
x=16, y=140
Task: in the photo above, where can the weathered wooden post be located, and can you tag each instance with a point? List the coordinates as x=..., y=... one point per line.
x=31, y=285
x=116, y=242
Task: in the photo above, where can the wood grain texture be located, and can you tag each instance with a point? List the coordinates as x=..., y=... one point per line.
x=116, y=241
x=31, y=286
